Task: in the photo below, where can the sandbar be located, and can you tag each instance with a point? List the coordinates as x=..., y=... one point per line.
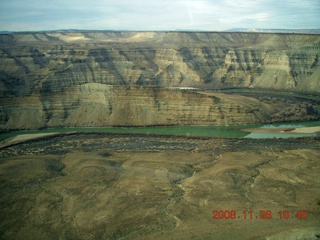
x=25, y=137
x=284, y=130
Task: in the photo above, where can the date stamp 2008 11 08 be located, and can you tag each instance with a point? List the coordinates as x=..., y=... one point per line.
x=263, y=214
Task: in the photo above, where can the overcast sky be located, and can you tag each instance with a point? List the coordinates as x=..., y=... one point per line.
x=210, y=15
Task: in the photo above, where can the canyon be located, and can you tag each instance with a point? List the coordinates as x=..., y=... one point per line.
x=104, y=185
x=105, y=78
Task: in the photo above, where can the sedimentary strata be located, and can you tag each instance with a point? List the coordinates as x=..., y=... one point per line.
x=31, y=62
x=80, y=79
x=99, y=105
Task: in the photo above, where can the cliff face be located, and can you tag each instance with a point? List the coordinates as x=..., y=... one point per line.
x=104, y=78
x=99, y=105
x=49, y=62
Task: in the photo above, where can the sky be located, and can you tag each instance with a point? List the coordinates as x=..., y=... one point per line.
x=157, y=15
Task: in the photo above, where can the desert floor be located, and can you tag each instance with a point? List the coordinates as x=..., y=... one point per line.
x=134, y=186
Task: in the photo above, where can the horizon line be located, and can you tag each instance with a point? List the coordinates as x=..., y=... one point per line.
x=243, y=30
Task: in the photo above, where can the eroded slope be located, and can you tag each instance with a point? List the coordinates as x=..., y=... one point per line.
x=34, y=62
x=65, y=79
x=99, y=105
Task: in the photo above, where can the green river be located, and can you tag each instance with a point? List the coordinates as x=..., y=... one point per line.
x=212, y=131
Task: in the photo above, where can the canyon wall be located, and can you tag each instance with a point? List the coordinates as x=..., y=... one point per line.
x=97, y=79
x=49, y=62
x=100, y=105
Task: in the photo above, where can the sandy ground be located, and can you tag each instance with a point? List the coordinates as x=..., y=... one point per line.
x=118, y=186
x=284, y=130
x=306, y=130
x=26, y=137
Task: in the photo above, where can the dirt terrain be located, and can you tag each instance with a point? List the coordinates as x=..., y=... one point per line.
x=121, y=186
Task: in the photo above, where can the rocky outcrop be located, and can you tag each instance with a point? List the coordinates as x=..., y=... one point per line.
x=96, y=79
x=100, y=105
x=49, y=62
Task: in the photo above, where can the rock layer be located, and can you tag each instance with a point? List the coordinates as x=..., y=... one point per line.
x=49, y=62
x=100, y=105
x=104, y=78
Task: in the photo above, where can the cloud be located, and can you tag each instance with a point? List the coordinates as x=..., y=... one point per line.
x=258, y=17
x=158, y=15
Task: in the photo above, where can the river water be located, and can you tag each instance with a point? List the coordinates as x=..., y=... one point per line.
x=212, y=131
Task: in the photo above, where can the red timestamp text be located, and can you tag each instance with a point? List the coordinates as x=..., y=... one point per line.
x=262, y=214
